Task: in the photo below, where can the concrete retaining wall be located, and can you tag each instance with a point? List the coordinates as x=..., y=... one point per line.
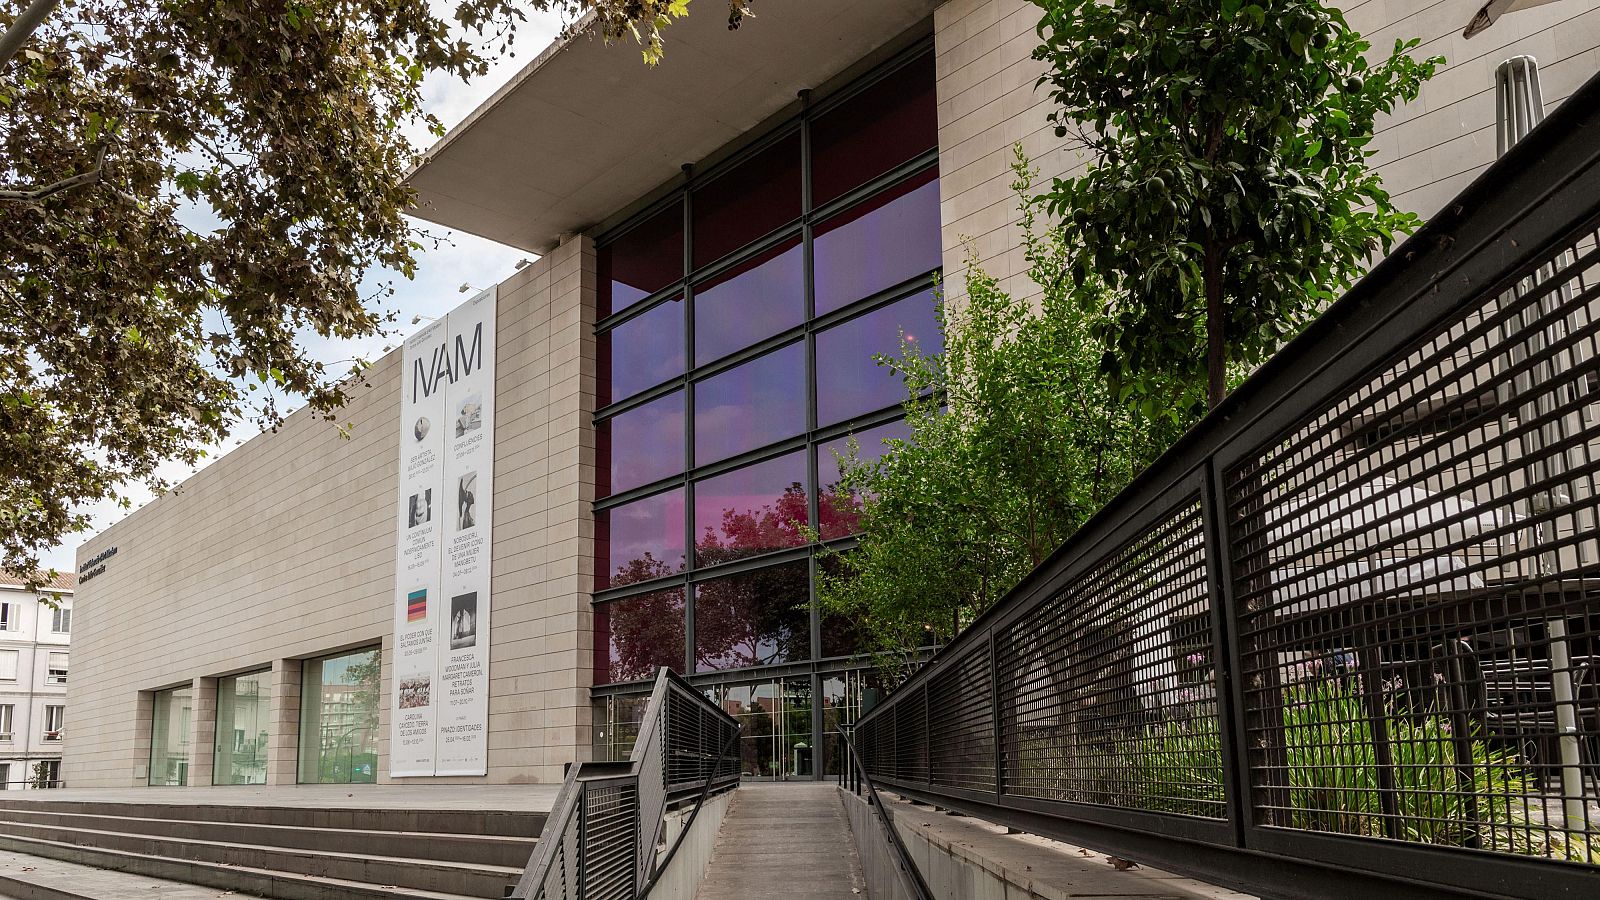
x=688, y=867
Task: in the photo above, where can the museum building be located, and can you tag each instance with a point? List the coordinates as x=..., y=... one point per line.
x=725, y=242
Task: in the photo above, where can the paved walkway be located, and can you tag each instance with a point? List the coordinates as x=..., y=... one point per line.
x=472, y=797
x=35, y=876
x=784, y=840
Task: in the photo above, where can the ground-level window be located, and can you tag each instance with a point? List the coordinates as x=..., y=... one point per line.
x=46, y=773
x=5, y=776
x=339, y=718
x=171, y=711
x=243, y=702
x=54, y=720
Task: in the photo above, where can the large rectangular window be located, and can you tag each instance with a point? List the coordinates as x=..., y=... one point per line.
x=740, y=316
x=61, y=620
x=10, y=617
x=8, y=664
x=56, y=669
x=172, y=712
x=339, y=718
x=7, y=713
x=243, y=705
x=55, y=722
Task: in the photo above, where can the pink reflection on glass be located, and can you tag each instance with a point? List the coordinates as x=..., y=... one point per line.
x=849, y=381
x=877, y=244
x=633, y=637
x=750, y=510
x=642, y=352
x=640, y=541
x=749, y=304
x=642, y=445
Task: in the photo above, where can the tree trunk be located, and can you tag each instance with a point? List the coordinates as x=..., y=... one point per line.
x=1216, y=344
x=23, y=27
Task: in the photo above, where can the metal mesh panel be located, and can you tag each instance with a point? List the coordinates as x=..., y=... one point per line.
x=961, y=721
x=1107, y=690
x=610, y=841
x=560, y=878
x=911, y=736
x=1418, y=592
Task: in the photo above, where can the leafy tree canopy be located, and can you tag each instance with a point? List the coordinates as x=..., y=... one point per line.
x=189, y=188
x=1016, y=440
x=1227, y=197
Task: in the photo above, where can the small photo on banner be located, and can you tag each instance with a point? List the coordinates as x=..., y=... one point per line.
x=417, y=605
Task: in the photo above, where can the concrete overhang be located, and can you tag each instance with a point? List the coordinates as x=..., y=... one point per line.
x=587, y=128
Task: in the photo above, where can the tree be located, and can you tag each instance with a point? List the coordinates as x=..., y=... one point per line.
x=1016, y=440
x=187, y=190
x=1227, y=198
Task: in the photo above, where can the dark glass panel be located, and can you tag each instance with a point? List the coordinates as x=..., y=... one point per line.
x=639, y=541
x=888, y=123
x=750, y=510
x=748, y=201
x=753, y=619
x=634, y=637
x=750, y=405
x=878, y=243
x=849, y=381
x=840, y=511
x=642, y=352
x=641, y=445
x=749, y=303
x=644, y=260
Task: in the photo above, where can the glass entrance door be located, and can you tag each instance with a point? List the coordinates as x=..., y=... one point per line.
x=775, y=720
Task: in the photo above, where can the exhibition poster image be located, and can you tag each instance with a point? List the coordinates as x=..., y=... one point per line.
x=440, y=711
x=462, y=747
x=418, y=618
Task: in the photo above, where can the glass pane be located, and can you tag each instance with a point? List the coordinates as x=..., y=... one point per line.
x=641, y=540
x=753, y=619
x=849, y=381
x=339, y=718
x=750, y=303
x=641, y=352
x=879, y=243
x=751, y=405
x=636, y=636
x=171, y=714
x=616, y=725
x=748, y=202
x=887, y=124
x=641, y=262
x=840, y=511
x=642, y=445
x=243, y=703
x=750, y=510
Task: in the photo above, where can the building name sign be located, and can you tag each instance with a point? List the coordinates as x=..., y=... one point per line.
x=439, y=717
x=96, y=564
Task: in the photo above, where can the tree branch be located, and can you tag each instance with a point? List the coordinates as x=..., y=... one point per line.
x=24, y=27
x=90, y=177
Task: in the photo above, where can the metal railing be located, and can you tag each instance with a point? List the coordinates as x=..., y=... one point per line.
x=601, y=839
x=854, y=778
x=1341, y=640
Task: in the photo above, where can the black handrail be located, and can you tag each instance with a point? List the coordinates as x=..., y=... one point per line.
x=699, y=803
x=911, y=877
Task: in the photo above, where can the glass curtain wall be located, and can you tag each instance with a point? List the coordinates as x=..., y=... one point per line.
x=171, y=717
x=339, y=718
x=740, y=318
x=243, y=702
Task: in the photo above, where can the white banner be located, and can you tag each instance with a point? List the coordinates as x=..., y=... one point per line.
x=463, y=744
x=418, y=616
x=440, y=710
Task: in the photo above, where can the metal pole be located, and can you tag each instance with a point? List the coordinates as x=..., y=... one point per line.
x=1520, y=105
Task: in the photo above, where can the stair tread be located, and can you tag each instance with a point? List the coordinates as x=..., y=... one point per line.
x=433, y=863
x=530, y=840
x=418, y=893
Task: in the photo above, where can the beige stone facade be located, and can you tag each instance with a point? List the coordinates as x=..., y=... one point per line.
x=284, y=550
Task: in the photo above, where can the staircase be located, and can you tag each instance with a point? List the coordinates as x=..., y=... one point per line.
x=285, y=852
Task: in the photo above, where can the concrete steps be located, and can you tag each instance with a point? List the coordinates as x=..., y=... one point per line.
x=284, y=852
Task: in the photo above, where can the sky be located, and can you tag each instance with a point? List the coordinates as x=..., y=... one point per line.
x=460, y=259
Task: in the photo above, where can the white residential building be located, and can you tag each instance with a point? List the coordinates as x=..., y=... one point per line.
x=35, y=630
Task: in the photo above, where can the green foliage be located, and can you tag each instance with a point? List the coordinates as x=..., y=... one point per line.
x=130, y=335
x=1178, y=766
x=1227, y=195
x=1031, y=445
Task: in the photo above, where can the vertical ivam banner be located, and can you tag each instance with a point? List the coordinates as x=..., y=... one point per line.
x=440, y=715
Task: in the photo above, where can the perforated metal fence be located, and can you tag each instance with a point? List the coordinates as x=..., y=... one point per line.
x=1346, y=636
x=603, y=838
